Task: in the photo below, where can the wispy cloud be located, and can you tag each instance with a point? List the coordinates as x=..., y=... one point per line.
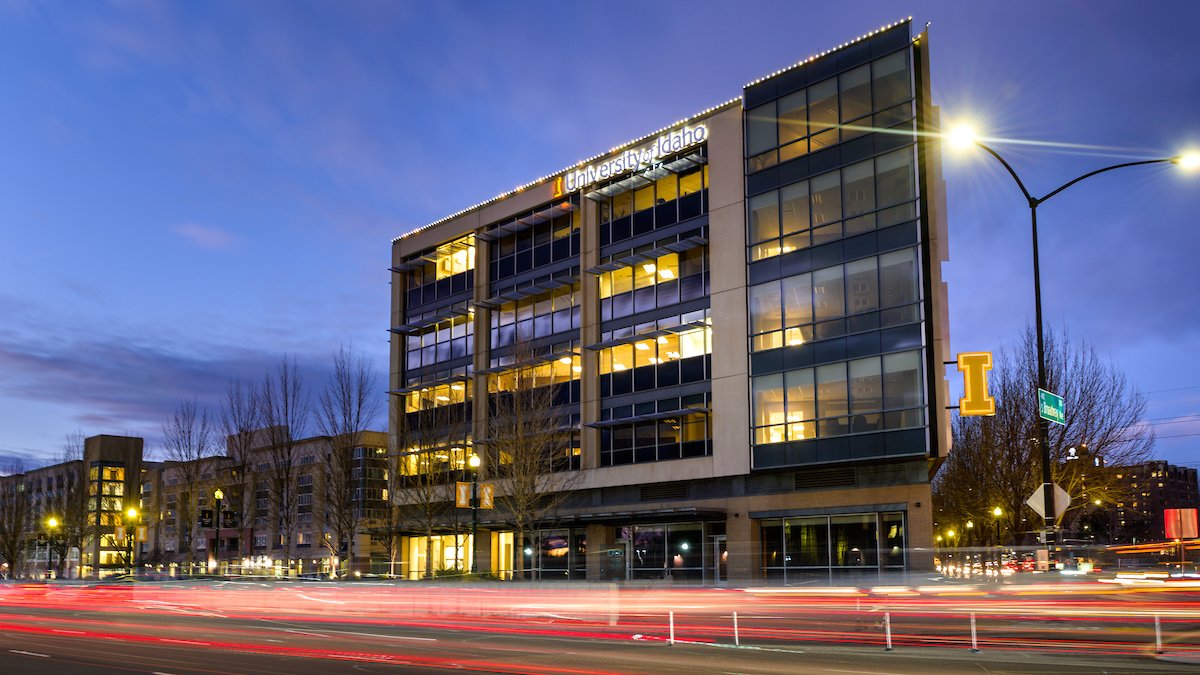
x=204, y=236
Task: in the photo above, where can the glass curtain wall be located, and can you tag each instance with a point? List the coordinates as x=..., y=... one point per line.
x=832, y=547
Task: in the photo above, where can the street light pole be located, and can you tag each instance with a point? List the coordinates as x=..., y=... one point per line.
x=130, y=530
x=51, y=527
x=964, y=137
x=219, y=495
x=474, y=464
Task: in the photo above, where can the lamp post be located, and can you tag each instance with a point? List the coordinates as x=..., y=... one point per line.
x=218, y=495
x=996, y=513
x=964, y=137
x=131, y=515
x=51, y=527
x=473, y=462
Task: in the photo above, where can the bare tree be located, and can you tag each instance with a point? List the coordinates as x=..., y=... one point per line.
x=15, y=513
x=188, y=436
x=528, y=445
x=348, y=405
x=995, y=460
x=69, y=504
x=285, y=411
x=240, y=419
x=432, y=441
x=388, y=530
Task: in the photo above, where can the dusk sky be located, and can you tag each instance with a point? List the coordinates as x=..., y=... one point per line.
x=190, y=191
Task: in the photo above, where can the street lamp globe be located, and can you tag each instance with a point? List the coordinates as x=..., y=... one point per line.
x=219, y=494
x=962, y=136
x=52, y=523
x=997, y=512
x=1188, y=161
x=473, y=461
x=132, y=513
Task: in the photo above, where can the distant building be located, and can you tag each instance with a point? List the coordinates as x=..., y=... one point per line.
x=1152, y=487
x=276, y=517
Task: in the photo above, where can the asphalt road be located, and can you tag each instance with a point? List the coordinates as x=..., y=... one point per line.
x=272, y=631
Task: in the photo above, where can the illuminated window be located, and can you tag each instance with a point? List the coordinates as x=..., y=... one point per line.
x=646, y=285
x=670, y=199
x=864, y=395
x=858, y=198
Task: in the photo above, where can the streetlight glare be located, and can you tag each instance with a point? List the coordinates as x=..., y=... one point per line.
x=962, y=136
x=1188, y=161
x=473, y=462
x=53, y=522
x=997, y=512
x=132, y=512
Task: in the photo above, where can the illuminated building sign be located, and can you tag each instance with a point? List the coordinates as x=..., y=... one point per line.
x=975, y=401
x=632, y=161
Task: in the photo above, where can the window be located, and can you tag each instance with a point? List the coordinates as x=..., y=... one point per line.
x=669, y=357
x=653, y=283
x=857, y=198
x=428, y=398
x=829, y=112
x=445, y=271
x=686, y=433
x=864, y=395
x=544, y=236
x=670, y=199
x=536, y=317
x=875, y=292
x=444, y=341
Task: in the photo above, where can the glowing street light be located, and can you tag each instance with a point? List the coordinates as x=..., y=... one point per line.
x=963, y=137
x=131, y=519
x=51, y=530
x=218, y=494
x=473, y=462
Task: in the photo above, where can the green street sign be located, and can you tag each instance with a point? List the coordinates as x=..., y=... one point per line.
x=1050, y=407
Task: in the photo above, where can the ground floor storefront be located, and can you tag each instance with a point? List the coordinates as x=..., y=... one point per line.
x=800, y=543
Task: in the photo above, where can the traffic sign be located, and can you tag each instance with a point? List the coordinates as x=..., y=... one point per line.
x=1038, y=501
x=1050, y=407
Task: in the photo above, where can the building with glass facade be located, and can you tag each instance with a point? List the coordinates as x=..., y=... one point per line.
x=740, y=320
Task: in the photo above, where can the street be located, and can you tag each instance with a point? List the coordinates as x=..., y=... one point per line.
x=227, y=627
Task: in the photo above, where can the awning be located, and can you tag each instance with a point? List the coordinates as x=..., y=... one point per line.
x=526, y=222
x=448, y=313
x=527, y=291
x=638, y=337
x=647, y=177
x=648, y=417
x=649, y=256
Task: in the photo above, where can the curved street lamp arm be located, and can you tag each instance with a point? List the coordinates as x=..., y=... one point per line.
x=1011, y=172
x=1107, y=168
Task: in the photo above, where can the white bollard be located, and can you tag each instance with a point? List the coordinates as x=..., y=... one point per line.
x=671, y=619
x=974, y=642
x=736, y=641
x=887, y=630
x=1157, y=635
